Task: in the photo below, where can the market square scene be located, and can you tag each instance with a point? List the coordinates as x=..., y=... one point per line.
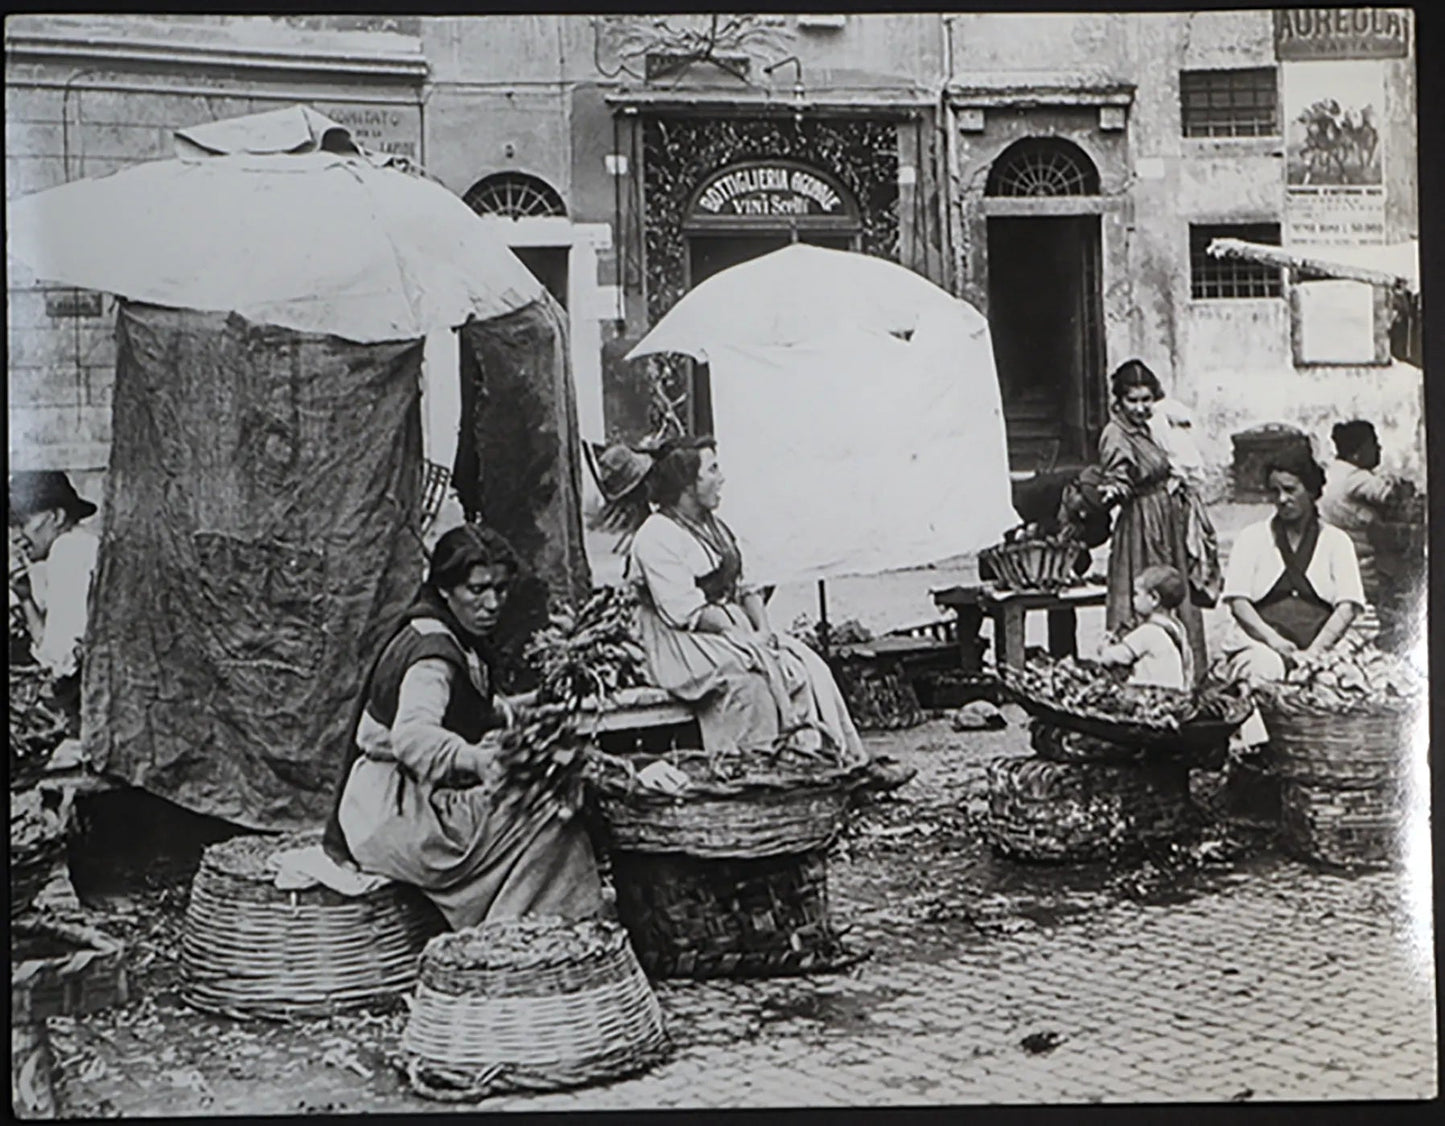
x=700, y=562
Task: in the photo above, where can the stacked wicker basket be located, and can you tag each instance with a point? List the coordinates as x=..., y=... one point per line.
x=1342, y=795
x=251, y=949
x=730, y=879
x=1084, y=798
x=529, y=1004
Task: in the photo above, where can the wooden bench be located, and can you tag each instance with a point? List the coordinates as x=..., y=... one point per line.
x=1008, y=609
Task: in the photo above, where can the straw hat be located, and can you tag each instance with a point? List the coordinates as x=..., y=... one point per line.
x=33, y=491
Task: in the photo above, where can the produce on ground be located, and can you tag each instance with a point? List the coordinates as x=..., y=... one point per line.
x=1352, y=678
x=810, y=633
x=1087, y=688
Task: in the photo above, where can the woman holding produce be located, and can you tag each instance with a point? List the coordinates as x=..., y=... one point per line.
x=425, y=798
x=1160, y=523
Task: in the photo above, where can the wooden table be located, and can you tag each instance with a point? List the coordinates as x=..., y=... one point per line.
x=1008, y=609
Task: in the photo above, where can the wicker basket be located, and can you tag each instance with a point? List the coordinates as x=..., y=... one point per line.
x=60, y=969
x=577, y=1015
x=1358, y=827
x=761, y=917
x=879, y=696
x=1355, y=751
x=251, y=949
x=1031, y=564
x=1041, y=810
x=721, y=822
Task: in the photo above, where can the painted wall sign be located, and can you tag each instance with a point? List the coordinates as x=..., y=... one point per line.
x=771, y=189
x=379, y=127
x=73, y=303
x=1340, y=33
x=1334, y=159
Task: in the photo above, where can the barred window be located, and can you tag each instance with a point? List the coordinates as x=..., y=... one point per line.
x=1231, y=277
x=1230, y=103
x=514, y=195
x=1042, y=166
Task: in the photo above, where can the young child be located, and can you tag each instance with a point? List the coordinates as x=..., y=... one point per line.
x=1156, y=650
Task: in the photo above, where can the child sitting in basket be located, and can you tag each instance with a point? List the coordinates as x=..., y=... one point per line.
x=1156, y=650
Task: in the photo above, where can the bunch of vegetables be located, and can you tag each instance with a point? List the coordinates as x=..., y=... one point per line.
x=810, y=633
x=1087, y=688
x=1352, y=678
x=587, y=655
x=520, y=943
x=36, y=729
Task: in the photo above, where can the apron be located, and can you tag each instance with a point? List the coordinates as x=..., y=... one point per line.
x=1293, y=607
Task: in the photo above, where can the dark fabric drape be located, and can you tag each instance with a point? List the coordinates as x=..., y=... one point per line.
x=519, y=463
x=262, y=528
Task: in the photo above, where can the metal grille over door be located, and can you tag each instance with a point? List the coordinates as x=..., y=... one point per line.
x=515, y=195
x=1043, y=166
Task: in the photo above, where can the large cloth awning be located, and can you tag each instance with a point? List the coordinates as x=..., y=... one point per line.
x=1394, y=265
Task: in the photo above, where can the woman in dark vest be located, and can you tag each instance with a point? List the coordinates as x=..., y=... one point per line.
x=1292, y=584
x=422, y=798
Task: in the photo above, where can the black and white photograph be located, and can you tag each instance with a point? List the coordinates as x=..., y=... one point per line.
x=625, y=561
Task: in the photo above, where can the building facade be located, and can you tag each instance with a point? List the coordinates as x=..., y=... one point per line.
x=1063, y=172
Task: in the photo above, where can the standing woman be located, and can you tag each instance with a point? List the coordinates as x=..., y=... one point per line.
x=1153, y=524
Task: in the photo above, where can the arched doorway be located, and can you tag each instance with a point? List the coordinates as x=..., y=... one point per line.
x=516, y=195
x=1045, y=299
x=748, y=209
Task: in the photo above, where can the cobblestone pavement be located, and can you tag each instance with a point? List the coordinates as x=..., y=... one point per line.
x=1241, y=976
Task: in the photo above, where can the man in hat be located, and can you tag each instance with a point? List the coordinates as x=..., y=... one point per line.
x=54, y=590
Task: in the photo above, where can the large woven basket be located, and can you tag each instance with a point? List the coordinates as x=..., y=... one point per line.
x=759, y=917
x=1032, y=564
x=573, y=1009
x=1358, y=827
x=249, y=948
x=720, y=821
x=1056, y=811
x=1357, y=750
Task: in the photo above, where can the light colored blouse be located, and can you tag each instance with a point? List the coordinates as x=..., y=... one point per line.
x=1157, y=657
x=416, y=739
x=61, y=587
x=669, y=560
x=1255, y=566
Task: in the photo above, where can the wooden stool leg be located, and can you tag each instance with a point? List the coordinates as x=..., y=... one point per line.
x=1010, y=623
x=970, y=618
x=1063, y=633
x=32, y=1066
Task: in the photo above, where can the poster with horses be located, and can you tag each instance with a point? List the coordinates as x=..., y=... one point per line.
x=1334, y=152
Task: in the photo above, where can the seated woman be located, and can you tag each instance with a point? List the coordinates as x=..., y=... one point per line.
x=705, y=629
x=1292, y=584
x=423, y=799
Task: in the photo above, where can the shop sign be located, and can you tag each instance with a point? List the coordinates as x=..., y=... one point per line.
x=1340, y=33
x=771, y=189
x=378, y=127
x=73, y=303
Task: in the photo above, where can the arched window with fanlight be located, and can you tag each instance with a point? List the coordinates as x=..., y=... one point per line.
x=515, y=195
x=1042, y=166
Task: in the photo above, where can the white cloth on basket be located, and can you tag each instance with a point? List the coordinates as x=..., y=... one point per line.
x=308, y=867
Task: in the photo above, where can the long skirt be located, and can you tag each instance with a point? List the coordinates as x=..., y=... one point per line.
x=479, y=855
x=745, y=695
x=1150, y=531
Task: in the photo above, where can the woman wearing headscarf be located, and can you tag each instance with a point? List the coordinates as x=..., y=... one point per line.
x=423, y=799
x=1160, y=522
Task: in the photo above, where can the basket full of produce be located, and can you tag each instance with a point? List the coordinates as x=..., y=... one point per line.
x=529, y=1004
x=251, y=948
x=37, y=726
x=1344, y=827
x=1343, y=719
x=37, y=844
x=736, y=804
x=1093, y=699
x=1029, y=559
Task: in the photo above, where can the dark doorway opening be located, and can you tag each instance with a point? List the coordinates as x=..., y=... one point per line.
x=1045, y=311
x=549, y=266
x=711, y=254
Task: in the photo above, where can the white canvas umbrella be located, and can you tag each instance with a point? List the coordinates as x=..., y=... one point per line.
x=797, y=294
x=857, y=412
x=280, y=218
